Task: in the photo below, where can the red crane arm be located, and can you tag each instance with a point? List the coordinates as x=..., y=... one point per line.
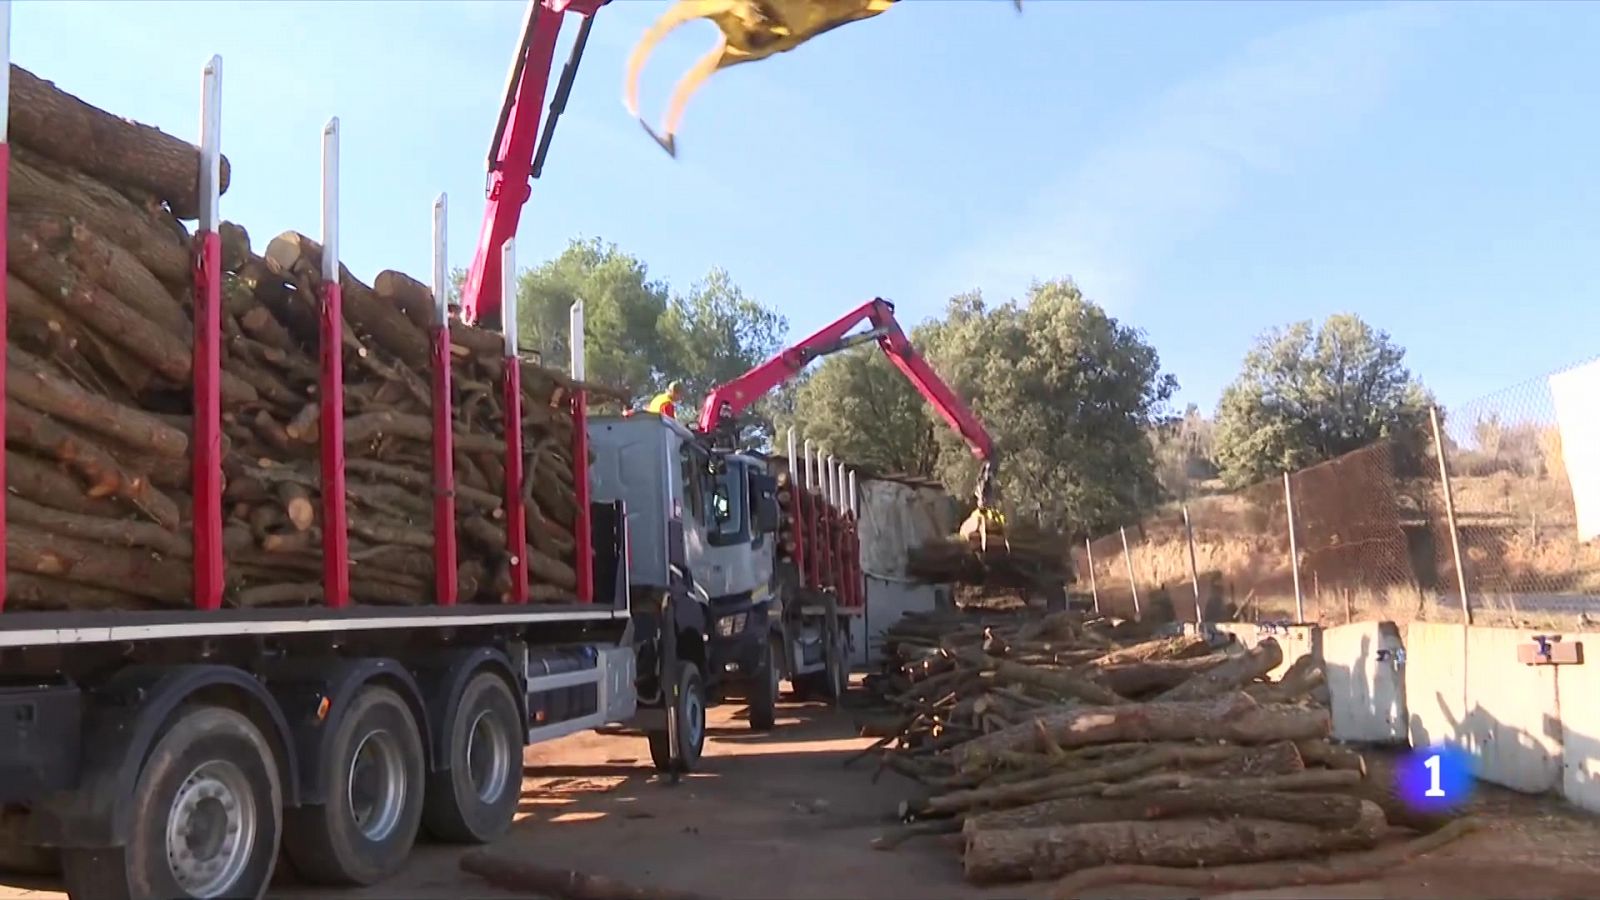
x=517, y=151
x=728, y=400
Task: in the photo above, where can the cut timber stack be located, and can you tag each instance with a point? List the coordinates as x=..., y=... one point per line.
x=99, y=397
x=1058, y=745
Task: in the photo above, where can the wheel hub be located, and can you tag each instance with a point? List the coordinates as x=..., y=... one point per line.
x=488, y=759
x=211, y=829
x=376, y=786
x=695, y=712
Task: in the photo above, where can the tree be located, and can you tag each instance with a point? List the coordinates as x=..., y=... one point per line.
x=1183, y=451
x=622, y=311
x=1305, y=396
x=1068, y=394
x=1065, y=391
x=859, y=407
x=715, y=334
x=638, y=334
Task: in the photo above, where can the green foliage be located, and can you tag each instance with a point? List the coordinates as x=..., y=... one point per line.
x=860, y=408
x=1183, y=448
x=1066, y=392
x=638, y=334
x=715, y=334
x=1306, y=396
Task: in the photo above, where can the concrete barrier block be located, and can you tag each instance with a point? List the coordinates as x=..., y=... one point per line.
x=1295, y=640
x=1436, y=683
x=1578, y=687
x=1513, y=723
x=1366, y=682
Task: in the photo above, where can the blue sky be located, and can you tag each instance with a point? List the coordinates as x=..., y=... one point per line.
x=1204, y=170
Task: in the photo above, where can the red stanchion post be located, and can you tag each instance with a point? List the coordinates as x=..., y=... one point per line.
x=583, y=562
x=444, y=472
x=5, y=192
x=516, y=518
x=335, y=534
x=206, y=449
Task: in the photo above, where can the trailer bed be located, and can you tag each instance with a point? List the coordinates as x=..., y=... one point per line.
x=32, y=629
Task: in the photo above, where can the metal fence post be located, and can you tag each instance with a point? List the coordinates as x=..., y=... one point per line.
x=1450, y=513
x=1094, y=587
x=1133, y=583
x=1294, y=553
x=1194, y=571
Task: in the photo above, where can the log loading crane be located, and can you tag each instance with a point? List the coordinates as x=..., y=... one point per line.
x=707, y=524
x=770, y=549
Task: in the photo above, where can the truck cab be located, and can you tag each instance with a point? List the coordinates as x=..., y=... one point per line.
x=702, y=526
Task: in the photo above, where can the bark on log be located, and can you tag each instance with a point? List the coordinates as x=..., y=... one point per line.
x=1279, y=758
x=135, y=571
x=1304, y=678
x=568, y=884
x=106, y=146
x=46, y=485
x=1038, y=853
x=1308, y=780
x=388, y=326
x=1231, y=718
x=30, y=381
x=117, y=532
x=1263, y=876
x=1181, y=647
x=115, y=270
x=1234, y=673
x=413, y=298
x=103, y=474
x=41, y=593
x=1137, y=679
x=1321, y=810
x=1003, y=795
x=1063, y=683
x=102, y=209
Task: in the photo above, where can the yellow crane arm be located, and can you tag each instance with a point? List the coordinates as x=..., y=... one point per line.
x=750, y=30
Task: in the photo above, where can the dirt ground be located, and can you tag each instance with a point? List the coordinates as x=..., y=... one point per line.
x=777, y=816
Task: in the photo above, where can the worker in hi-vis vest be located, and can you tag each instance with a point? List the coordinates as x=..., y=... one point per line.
x=666, y=402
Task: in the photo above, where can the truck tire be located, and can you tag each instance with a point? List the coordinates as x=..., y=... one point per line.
x=207, y=814
x=374, y=774
x=474, y=799
x=835, y=677
x=691, y=722
x=764, y=689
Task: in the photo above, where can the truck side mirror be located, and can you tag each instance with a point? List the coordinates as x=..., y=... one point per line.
x=764, y=503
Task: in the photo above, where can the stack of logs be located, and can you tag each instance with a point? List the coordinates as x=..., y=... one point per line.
x=98, y=436
x=999, y=556
x=1060, y=746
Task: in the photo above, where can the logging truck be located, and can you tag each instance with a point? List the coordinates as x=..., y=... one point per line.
x=220, y=636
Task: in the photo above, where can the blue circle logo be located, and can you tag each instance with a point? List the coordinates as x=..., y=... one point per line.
x=1434, y=779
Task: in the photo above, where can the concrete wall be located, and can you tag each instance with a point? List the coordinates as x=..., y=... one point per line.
x=1366, y=682
x=1465, y=687
x=887, y=601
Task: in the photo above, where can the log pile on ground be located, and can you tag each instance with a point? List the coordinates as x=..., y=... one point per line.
x=1000, y=555
x=98, y=436
x=1056, y=745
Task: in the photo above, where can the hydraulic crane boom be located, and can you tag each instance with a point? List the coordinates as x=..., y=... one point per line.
x=518, y=149
x=728, y=400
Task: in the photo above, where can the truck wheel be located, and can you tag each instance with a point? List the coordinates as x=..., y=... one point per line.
x=764, y=690
x=374, y=775
x=691, y=725
x=474, y=800
x=836, y=675
x=206, y=817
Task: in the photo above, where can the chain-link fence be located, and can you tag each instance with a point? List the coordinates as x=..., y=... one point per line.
x=1376, y=533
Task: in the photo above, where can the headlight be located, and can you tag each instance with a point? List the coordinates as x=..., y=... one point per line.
x=728, y=626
